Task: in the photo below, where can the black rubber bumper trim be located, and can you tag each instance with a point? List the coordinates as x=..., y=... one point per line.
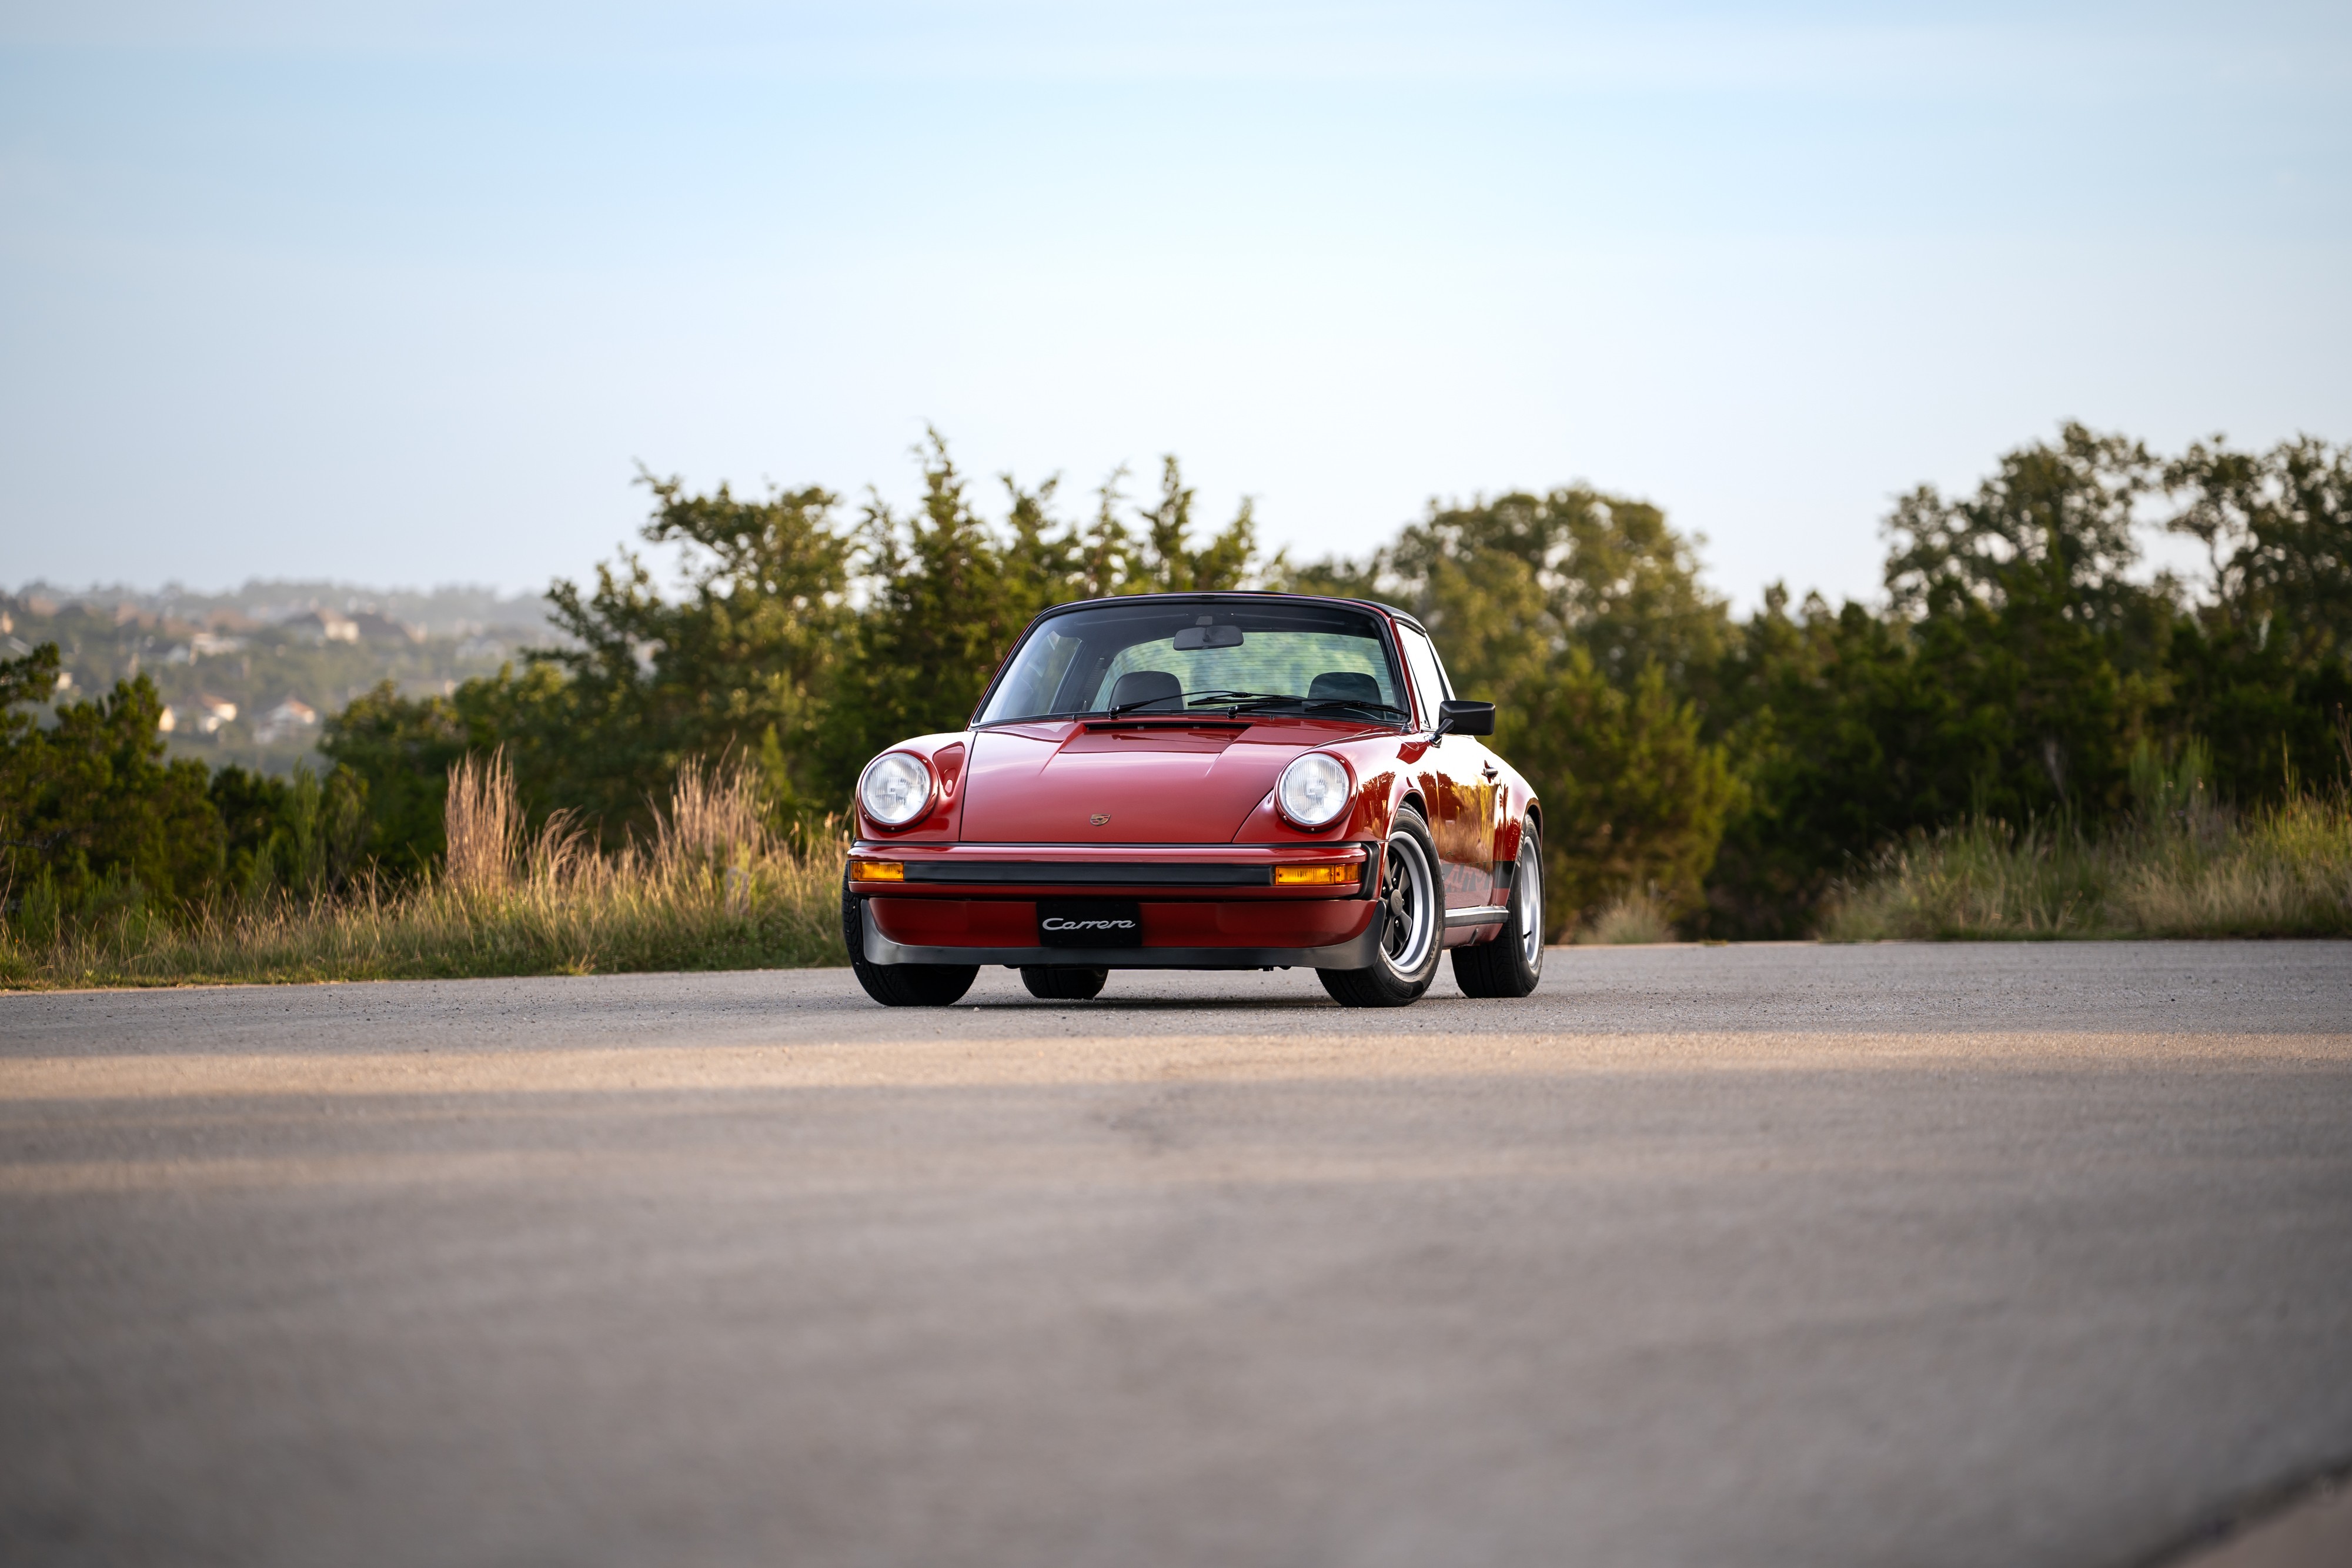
x=1090, y=873
x=1358, y=954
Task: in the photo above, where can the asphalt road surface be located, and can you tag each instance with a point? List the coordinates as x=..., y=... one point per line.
x=1969, y=1255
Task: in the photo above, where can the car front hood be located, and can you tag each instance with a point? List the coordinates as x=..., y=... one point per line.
x=1072, y=783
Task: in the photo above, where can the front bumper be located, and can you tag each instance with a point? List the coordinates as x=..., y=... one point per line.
x=1357, y=952
x=1204, y=906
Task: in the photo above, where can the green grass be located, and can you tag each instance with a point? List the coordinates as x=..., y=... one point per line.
x=714, y=890
x=2194, y=869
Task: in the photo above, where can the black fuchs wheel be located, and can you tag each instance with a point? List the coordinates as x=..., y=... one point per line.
x=1510, y=963
x=1062, y=983
x=900, y=984
x=1412, y=924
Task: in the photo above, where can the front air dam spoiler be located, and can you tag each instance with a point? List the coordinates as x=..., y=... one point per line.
x=1357, y=953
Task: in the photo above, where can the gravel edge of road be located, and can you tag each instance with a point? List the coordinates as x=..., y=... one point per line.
x=2302, y=1524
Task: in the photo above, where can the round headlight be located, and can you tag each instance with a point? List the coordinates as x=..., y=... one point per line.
x=1314, y=790
x=896, y=788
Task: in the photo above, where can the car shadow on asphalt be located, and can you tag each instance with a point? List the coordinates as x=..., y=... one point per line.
x=1153, y=1004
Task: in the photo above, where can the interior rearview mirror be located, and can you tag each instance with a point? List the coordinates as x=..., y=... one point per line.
x=1465, y=718
x=1194, y=638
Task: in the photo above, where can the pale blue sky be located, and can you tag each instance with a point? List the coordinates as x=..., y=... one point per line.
x=399, y=294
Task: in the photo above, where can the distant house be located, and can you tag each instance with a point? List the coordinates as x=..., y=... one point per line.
x=203, y=645
x=371, y=627
x=206, y=715
x=322, y=626
x=292, y=719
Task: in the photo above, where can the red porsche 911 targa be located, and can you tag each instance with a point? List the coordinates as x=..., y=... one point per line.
x=1202, y=781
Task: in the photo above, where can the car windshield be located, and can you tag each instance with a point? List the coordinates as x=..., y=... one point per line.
x=1155, y=656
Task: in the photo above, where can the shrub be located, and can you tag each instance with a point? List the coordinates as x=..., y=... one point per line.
x=1631, y=918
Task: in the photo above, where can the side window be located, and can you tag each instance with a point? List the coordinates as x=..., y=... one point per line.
x=1428, y=678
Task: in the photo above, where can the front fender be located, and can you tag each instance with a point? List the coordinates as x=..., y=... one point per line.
x=1517, y=806
x=1380, y=784
x=947, y=755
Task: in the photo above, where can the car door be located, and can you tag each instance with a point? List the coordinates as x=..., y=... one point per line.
x=1460, y=775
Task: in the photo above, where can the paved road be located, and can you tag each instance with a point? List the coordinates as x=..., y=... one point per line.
x=1708, y=1256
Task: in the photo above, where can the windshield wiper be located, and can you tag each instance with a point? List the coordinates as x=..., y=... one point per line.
x=1258, y=701
x=1198, y=699
x=1382, y=711
x=1223, y=697
x=1140, y=702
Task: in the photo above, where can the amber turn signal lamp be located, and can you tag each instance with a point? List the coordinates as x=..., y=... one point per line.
x=877, y=871
x=1323, y=874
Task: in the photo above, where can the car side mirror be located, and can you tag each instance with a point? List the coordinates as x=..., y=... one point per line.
x=1465, y=718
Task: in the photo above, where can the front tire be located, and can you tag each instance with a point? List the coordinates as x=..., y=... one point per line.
x=900, y=984
x=1510, y=964
x=1062, y=983
x=1412, y=924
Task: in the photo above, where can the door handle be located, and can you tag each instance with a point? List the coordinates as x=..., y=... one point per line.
x=1489, y=770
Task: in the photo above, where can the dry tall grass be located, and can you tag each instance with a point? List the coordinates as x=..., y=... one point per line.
x=712, y=889
x=2184, y=867
x=482, y=824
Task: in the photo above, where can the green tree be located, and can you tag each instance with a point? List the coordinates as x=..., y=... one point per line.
x=2023, y=604
x=1581, y=614
x=1611, y=577
x=1635, y=797
x=300, y=833
x=949, y=592
x=2263, y=671
x=2278, y=527
x=90, y=810
x=948, y=597
x=1845, y=736
x=1166, y=561
x=401, y=747
x=739, y=660
x=802, y=645
x=2016, y=666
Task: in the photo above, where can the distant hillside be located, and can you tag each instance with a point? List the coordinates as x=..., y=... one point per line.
x=249, y=675
x=454, y=610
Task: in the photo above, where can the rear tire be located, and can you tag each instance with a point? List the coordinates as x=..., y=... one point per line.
x=1412, y=915
x=1510, y=964
x=900, y=984
x=1063, y=983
